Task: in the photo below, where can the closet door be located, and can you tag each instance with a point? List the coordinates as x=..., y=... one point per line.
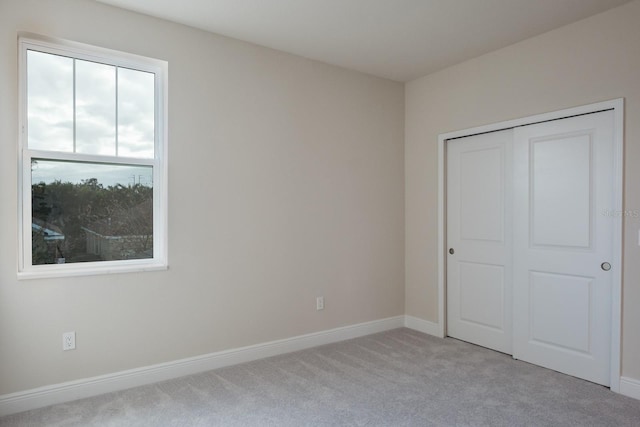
x=479, y=296
x=563, y=224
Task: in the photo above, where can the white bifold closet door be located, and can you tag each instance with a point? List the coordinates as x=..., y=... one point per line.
x=530, y=222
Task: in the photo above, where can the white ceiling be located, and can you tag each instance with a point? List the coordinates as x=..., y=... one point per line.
x=396, y=39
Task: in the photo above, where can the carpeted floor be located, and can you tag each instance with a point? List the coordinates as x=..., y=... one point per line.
x=395, y=378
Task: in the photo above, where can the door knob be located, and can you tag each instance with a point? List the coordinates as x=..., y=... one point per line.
x=605, y=266
x=451, y=251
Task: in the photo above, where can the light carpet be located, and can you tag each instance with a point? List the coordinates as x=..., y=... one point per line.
x=395, y=378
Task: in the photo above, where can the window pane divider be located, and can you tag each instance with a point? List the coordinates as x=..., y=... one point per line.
x=115, y=69
x=88, y=158
x=75, y=116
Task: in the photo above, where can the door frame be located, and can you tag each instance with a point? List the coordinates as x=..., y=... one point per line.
x=617, y=105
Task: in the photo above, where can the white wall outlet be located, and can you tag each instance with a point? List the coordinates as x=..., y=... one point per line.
x=320, y=303
x=69, y=341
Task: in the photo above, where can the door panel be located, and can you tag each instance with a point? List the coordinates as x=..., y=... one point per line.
x=561, y=188
x=481, y=177
x=479, y=271
x=482, y=294
x=560, y=299
x=563, y=183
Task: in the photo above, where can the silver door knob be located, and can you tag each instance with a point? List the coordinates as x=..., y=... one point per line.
x=605, y=266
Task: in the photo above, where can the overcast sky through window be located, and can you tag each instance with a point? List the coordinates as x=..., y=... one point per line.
x=113, y=115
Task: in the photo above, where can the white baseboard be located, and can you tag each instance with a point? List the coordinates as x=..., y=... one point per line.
x=72, y=390
x=630, y=387
x=430, y=328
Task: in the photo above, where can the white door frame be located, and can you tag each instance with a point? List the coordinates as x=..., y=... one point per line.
x=617, y=105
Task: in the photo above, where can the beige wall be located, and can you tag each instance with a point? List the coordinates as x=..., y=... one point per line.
x=593, y=60
x=286, y=183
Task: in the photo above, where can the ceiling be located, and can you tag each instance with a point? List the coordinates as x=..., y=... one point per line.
x=395, y=39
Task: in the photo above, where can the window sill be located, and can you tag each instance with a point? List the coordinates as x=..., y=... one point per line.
x=71, y=270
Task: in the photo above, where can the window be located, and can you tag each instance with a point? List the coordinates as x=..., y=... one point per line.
x=92, y=159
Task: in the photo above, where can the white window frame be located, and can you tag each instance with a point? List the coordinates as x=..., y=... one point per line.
x=82, y=51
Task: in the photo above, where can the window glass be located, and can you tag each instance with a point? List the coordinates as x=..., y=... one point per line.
x=90, y=212
x=96, y=108
x=50, y=101
x=136, y=113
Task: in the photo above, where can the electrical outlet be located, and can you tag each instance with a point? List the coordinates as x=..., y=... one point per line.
x=69, y=341
x=320, y=303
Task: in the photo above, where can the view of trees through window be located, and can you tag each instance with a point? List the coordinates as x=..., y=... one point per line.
x=106, y=216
